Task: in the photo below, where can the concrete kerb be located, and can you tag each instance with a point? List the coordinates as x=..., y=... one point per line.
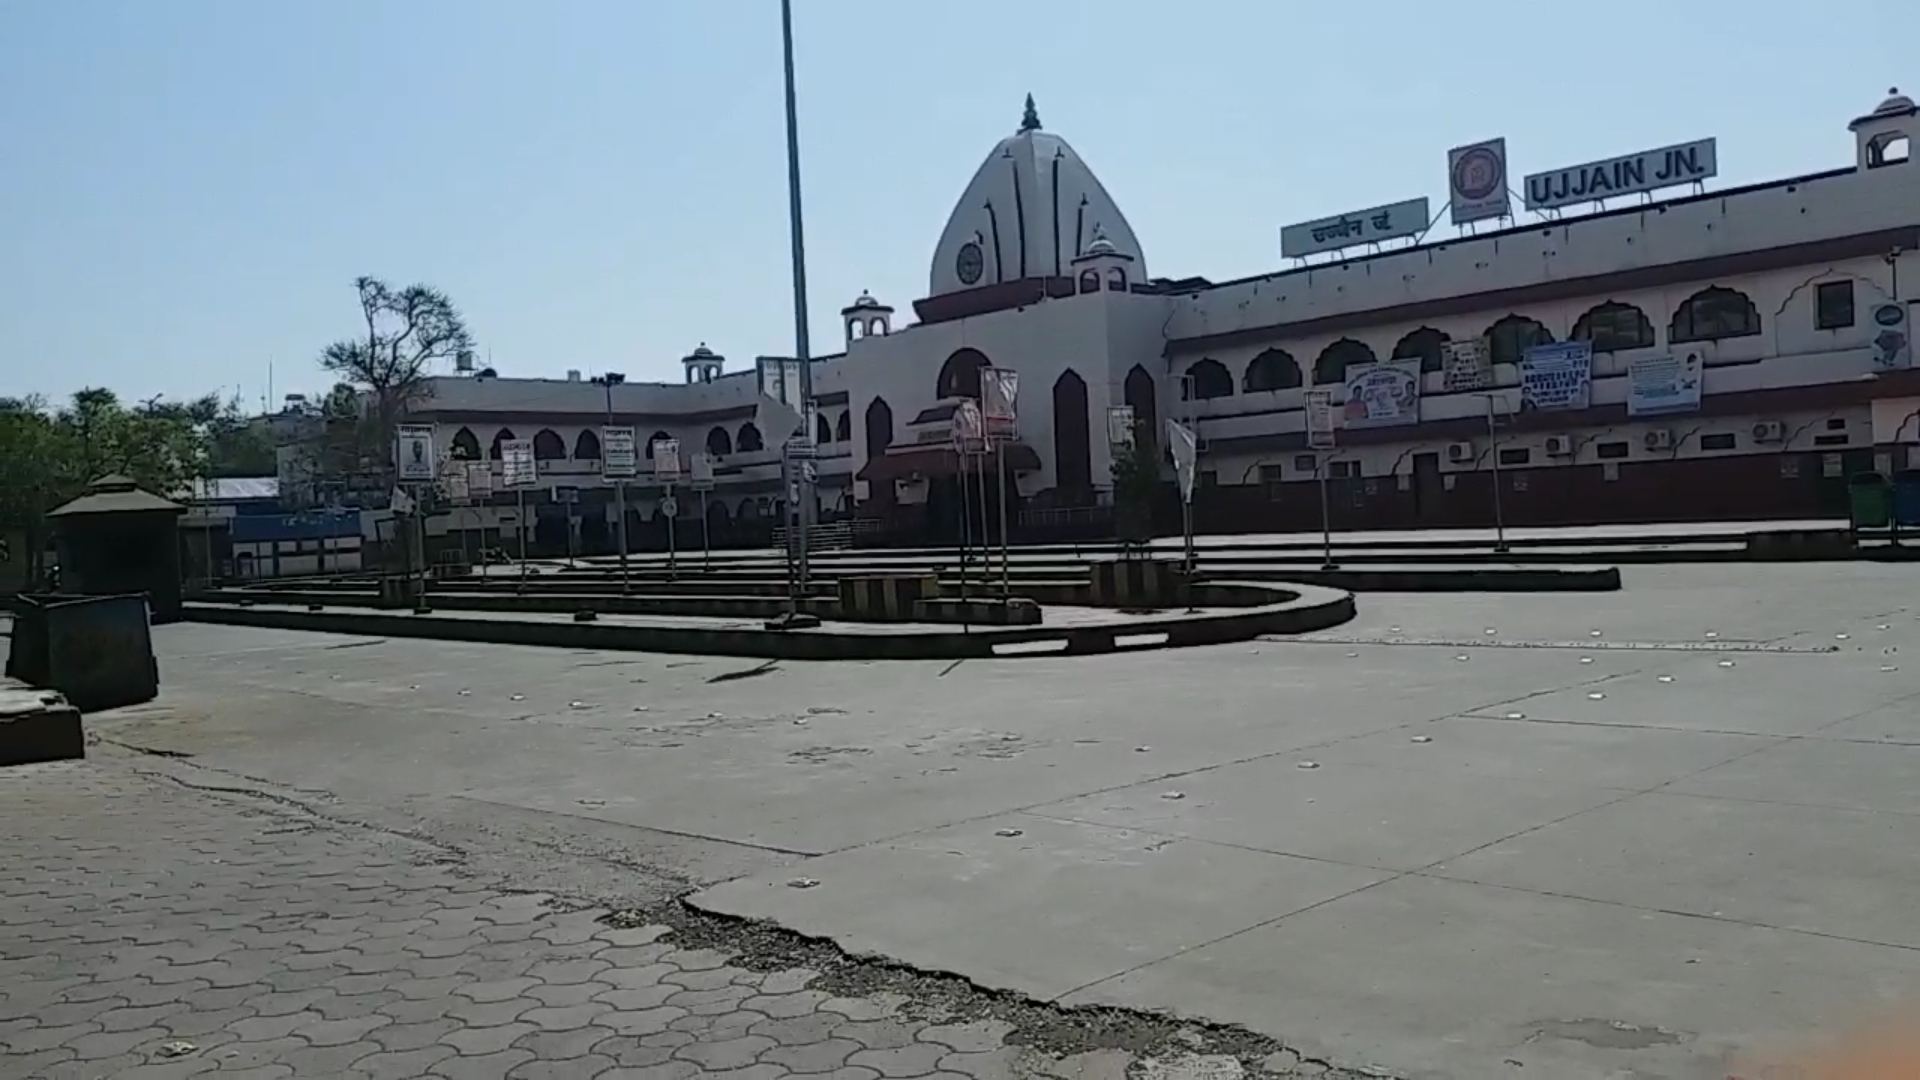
x=1289, y=610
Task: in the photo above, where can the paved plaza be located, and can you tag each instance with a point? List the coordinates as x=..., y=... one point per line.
x=1619, y=835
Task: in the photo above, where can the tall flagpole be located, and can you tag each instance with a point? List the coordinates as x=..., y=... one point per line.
x=802, y=348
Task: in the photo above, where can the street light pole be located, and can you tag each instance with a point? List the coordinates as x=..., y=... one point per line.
x=608, y=381
x=802, y=348
x=1493, y=448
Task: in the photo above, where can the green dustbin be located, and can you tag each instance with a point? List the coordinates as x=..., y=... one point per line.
x=1869, y=500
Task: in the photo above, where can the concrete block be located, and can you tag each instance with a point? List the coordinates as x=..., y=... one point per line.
x=37, y=725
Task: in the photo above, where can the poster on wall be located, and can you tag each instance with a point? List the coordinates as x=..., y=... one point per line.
x=1386, y=394
x=1120, y=425
x=414, y=454
x=1556, y=377
x=1657, y=385
x=1319, y=419
x=1466, y=365
x=1893, y=337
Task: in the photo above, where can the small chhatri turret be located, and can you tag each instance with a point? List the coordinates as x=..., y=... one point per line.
x=866, y=317
x=703, y=365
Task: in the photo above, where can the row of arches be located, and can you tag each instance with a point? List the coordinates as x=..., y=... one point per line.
x=1712, y=314
x=720, y=441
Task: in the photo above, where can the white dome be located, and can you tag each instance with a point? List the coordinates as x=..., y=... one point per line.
x=1029, y=210
x=1897, y=103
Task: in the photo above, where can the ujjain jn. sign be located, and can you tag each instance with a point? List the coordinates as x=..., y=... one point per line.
x=1633, y=174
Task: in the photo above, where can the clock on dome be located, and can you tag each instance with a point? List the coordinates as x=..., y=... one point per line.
x=969, y=263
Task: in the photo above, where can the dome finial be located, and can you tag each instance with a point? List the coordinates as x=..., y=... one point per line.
x=1030, y=120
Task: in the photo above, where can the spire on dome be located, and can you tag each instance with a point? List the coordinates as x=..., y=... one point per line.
x=1030, y=120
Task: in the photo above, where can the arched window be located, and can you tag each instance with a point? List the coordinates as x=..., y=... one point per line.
x=748, y=439
x=843, y=427
x=960, y=375
x=1274, y=369
x=1427, y=345
x=654, y=438
x=1336, y=358
x=822, y=429
x=1509, y=339
x=1712, y=314
x=587, y=446
x=1089, y=281
x=465, y=446
x=1116, y=280
x=879, y=427
x=749, y=508
x=1205, y=380
x=504, y=435
x=548, y=446
x=1614, y=327
x=719, y=443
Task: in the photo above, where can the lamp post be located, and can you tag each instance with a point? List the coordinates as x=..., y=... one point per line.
x=804, y=481
x=1493, y=450
x=607, y=382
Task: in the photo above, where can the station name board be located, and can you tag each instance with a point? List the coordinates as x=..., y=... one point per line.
x=1634, y=174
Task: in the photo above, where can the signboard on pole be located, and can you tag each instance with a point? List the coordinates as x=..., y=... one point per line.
x=666, y=460
x=999, y=391
x=1557, y=376
x=479, y=480
x=1634, y=174
x=1391, y=222
x=969, y=431
x=1185, y=447
x=1466, y=365
x=1477, y=181
x=701, y=472
x=619, y=456
x=517, y=466
x=1319, y=419
x=1386, y=394
x=453, y=478
x=414, y=454
x=1657, y=385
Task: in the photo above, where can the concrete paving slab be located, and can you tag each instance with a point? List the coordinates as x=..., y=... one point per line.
x=1486, y=982
x=1819, y=771
x=1840, y=873
x=1575, y=754
x=1896, y=723
x=1052, y=908
x=1352, y=814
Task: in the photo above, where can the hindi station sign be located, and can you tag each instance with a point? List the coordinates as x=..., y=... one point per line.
x=1392, y=222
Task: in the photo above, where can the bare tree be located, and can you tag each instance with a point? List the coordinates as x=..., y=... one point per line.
x=409, y=332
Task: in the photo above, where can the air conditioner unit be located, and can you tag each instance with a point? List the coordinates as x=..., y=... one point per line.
x=1769, y=431
x=1460, y=451
x=1559, y=446
x=1659, y=439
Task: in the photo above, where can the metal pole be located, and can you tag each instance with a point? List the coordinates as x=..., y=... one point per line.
x=966, y=516
x=1186, y=530
x=1006, y=551
x=520, y=526
x=802, y=349
x=1493, y=448
x=619, y=498
x=673, y=569
x=986, y=544
x=706, y=534
x=1326, y=519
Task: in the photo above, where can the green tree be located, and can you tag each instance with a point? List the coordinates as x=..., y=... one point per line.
x=1136, y=487
x=408, y=332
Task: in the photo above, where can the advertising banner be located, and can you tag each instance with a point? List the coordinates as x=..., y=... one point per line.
x=480, y=480
x=1893, y=341
x=1663, y=384
x=619, y=456
x=517, y=467
x=666, y=460
x=1319, y=419
x=1467, y=365
x=999, y=389
x=1386, y=394
x=1557, y=376
x=1185, y=448
x=414, y=454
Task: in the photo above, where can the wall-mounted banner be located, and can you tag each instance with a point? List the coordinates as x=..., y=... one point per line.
x=1386, y=394
x=1319, y=419
x=1401, y=219
x=1663, y=384
x=1649, y=170
x=518, y=469
x=1466, y=365
x=1557, y=376
x=1893, y=336
x=414, y=454
x=618, y=460
x=1477, y=182
x=1120, y=425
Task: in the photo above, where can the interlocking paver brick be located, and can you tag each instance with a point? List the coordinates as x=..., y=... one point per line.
x=402, y=1064
x=580, y=1068
x=327, y=1060
x=338, y=1032
x=813, y=1057
x=730, y=1054
x=878, y=1034
x=918, y=1059
x=796, y=1030
x=568, y=994
x=565, y=1018
x=643, y=1021
x=638, y=997
x=493, y=1066
x=975, y=1037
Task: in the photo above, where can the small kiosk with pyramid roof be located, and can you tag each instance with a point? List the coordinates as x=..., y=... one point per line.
x=117, y=539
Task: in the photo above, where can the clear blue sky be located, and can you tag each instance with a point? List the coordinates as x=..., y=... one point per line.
x=188, y=187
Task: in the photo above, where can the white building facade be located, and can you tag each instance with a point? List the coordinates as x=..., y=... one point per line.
x=1740, y=351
